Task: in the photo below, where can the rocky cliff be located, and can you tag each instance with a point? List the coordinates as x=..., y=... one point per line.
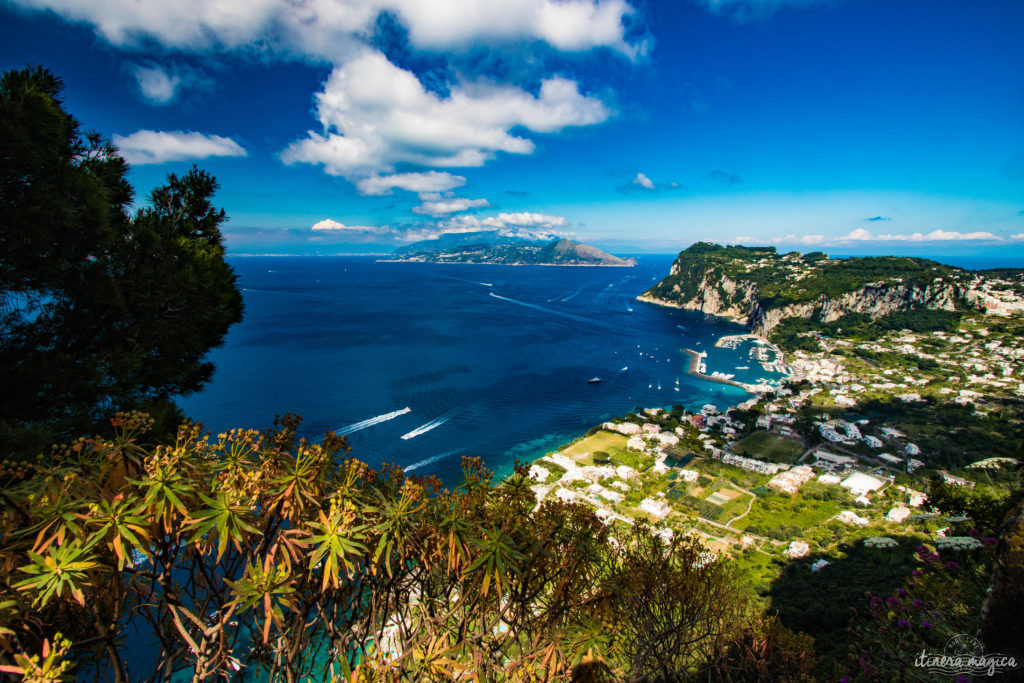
x=761, y=288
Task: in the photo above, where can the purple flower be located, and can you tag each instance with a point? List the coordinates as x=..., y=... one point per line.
x=902, y=593
x=845, y=679
x=876, y=602
x=926, y=624
x=922, y=551
x=903, y=623
x=952, y=565
x=972, y=532
x=989, y=541
x=895, y=601
x=918, y=603
x=917, y=572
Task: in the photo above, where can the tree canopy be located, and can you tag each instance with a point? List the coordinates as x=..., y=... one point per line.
x=102, y=308
x=293, y=561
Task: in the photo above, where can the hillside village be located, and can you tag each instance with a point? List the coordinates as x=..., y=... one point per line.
x=839, y=453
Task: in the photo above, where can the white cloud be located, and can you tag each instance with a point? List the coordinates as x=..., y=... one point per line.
x=163, y=83
x=428, y=182
x=643, y=181
x=859, y=234
x=526, y=224
x=328, y=30
x=1019, y=237
x=328, y=225
x=157, y=85
x=442, y=207
x=156, y=147
x=375, y=115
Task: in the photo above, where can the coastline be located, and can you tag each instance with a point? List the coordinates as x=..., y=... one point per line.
x=739, y=320
x=491, y=263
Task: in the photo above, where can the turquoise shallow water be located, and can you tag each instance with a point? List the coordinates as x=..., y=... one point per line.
x=489, y=360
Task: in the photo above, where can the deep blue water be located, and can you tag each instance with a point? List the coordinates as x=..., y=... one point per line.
x=494, y=358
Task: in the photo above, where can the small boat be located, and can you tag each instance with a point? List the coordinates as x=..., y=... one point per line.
x=742, y=367
x=594, y=380
x=682, y=327
x=659, y=386
x=624, y=369
x=629, y=309
x=677, y=381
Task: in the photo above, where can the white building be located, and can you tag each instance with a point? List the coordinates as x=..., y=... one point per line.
x=750, y=464
x=832, y=460
x=796, y=549
x=791, y=480
x=636, y=443
x=626, y=472
x=764, y=422
x=829, y=478
x=873, y=441
x=626, y=428
x=912, y=449
x=890, y=458
x=851, y=518
x=563, y=461
x=859, y=483
x=538, y=473
x=655, y=508
x=819, y=565
x=898, y=514
x=689, y=475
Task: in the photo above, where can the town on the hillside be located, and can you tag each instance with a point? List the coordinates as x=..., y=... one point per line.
x=839, y=452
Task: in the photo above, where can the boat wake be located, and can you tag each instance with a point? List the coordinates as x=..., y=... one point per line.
x=429, y=460
x=563, y=314
x=373, y=421
x=433, y=424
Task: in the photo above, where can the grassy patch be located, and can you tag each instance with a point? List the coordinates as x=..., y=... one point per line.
x=769, y=448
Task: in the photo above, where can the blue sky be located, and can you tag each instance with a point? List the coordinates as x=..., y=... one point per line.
x=853, y=126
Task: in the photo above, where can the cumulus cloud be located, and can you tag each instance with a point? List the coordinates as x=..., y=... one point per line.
x=328, y=225
x=329, y=30
x=429, y=181
x=643, y=181
x=520, y=224
x=156, y=147
x=435, y=206
x=1019, y=237
x=375, y=115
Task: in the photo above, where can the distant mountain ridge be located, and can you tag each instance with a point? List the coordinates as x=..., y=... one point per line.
x=490, y=247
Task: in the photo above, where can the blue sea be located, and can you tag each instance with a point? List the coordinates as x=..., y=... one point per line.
x=421, y=363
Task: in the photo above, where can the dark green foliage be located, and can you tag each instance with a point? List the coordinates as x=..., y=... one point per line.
x=860, y=326
x=820, y=602
x=99, y=310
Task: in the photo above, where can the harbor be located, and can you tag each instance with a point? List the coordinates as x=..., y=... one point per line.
x=698, y=368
